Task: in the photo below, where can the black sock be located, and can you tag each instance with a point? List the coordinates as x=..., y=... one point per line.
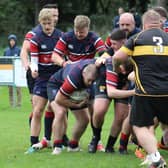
x=34, y=140
x=97, y=133
x=111, y=141
x=48, y=120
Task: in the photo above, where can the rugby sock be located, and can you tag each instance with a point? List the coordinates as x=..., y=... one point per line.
x=97, y=133
x=30, y=118
x=111, y=141
x=73, y=143
x=48, y=120
x=34, y=140
x=123, y=141
x=65, y=140
x=58, y=143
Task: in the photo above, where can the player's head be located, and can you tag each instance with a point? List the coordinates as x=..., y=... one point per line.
x=117, y=38
x=126, y=67
x=54, y=10
x=89, y=74
x=46, y=21
x=163, y=14
x=81, y=26
x=151, y=19
x=127, y=22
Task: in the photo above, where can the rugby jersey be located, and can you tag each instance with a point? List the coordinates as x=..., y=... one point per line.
x=149, y=53
x=76, y=49
x=41, y=47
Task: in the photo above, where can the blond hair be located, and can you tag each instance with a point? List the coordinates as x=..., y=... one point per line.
x=151, y=17
x=81, y=21
x=45, y=14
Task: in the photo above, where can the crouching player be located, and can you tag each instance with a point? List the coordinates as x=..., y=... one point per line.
x=61, y=85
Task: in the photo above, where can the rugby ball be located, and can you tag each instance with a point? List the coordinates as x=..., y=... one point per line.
x=79, y=95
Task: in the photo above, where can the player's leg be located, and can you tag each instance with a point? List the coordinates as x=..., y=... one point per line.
x=39, y=105
x=98, y=120
x=58, y=127
x=121, y=110
x=82, y=120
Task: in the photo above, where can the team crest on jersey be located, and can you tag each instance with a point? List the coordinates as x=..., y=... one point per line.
x=70, y=46
x=43, y=46
x=102, y=88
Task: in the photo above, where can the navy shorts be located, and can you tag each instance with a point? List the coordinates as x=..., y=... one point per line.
x=52, y=90
x=145, y=108
x=40, y=87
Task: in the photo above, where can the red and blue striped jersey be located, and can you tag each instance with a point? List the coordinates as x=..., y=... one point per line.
x=41, y=47
x=76, y=49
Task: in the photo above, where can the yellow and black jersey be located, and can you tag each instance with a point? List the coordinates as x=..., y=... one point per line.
x=149, y=53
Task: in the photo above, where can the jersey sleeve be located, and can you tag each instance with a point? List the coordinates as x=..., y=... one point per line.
x=34, y=51
x=61, y=46
x=111, y=76
x=72, y=82
x=128, y=47
x=29, y=35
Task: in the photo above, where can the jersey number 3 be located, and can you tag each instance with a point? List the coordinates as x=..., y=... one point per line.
x=159, y=43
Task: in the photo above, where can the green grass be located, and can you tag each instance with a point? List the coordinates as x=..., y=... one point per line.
x=14, y=140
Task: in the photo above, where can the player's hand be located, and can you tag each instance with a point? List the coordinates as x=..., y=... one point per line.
x=100, y=61
x=35, y=74
x=84, y=102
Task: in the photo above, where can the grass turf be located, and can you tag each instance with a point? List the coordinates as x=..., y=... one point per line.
x=14, y=141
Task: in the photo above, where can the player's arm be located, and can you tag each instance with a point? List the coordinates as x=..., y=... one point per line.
x=25, y=54
x=34, y=52
x=112, y=82
x=60, y=50
x=117, y=93
x=67, y=102
x=58, y=59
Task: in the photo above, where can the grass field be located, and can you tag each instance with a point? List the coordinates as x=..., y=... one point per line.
x=14, y=140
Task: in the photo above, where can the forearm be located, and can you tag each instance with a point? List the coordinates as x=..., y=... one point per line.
x=57, y=59
x=25, y=54
x=117, y=93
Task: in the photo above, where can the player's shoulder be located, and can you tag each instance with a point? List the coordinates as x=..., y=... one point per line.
x=37, y=29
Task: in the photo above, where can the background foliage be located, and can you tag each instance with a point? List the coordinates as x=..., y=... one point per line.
x=20, y=16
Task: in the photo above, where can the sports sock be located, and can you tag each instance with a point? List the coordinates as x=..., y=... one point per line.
x=73, y=143
x=58, y=143
x=34, y=140
x=123, y=141
x=48, y=120
x=111, y=141
x=97, y=133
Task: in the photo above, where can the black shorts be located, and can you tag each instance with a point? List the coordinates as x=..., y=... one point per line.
x=100, y=90
x=30, y=81
x=122, y=100
x=145, y=108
